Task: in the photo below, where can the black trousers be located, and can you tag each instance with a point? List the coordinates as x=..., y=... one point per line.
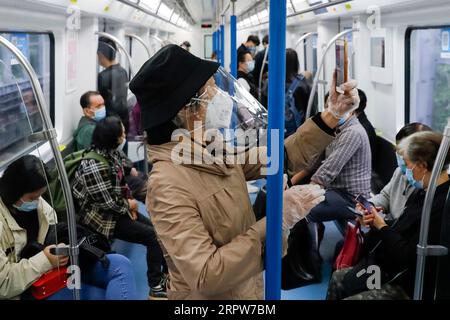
x=142, y=231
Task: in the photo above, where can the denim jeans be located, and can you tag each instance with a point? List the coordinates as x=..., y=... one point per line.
x=335, y=207
x=115, y=283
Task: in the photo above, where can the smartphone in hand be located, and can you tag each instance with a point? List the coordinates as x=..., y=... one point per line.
x=364, y=203
x=62, y=250
x=341, y=63
x=356, y=212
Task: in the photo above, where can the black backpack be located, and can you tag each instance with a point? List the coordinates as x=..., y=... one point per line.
x=293, y=116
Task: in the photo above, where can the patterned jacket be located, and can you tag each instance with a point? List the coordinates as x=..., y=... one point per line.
x=99, y=191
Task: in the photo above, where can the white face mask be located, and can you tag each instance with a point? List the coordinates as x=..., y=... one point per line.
x=219, y=112
x=250, y=65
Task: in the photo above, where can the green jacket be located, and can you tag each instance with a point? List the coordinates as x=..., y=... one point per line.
x=83, y=134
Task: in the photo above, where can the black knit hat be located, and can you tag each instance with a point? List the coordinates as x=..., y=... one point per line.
x=166, y=83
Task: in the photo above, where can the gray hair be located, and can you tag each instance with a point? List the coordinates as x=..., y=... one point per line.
x=423, y=147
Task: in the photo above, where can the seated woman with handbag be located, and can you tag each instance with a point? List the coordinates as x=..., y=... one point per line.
x=26, y=263
x=391, y=245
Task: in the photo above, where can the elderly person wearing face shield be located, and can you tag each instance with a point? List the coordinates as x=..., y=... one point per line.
x=200, y=209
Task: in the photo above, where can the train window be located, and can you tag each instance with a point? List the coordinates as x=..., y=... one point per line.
x=427, y=80
x=208, y=46
x=19, y=114
x=310, y=52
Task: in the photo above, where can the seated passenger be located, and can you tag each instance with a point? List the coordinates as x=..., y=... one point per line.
x=244, y=75
x=25, y=220
x=392, y=199
x=392, y=245
x=94, y=110
x=107, y=206
x=345, y=172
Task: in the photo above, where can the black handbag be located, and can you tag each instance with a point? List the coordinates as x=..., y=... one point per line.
x=302, y=264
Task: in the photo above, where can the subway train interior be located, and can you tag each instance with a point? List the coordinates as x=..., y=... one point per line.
x=363, y=215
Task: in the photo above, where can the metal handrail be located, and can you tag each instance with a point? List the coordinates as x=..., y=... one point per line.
x=141, y=41
x=52, y=139
x=319, y=69
x=121, y=47
x=262, y=72
x=138, y=138
x=304, y=37
x=423, y=249
x=161, y=42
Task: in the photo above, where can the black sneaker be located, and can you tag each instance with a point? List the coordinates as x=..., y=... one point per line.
x=159, y=291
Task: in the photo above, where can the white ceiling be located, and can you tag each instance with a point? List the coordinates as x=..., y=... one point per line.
x=205, y=10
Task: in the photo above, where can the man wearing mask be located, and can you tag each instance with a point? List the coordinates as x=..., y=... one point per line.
x=113, y=81
x=250, y=45
x=94, y=110
x=259, y=60
x=246, y=65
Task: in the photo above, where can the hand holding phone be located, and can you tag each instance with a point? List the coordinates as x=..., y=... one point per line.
x=60, y=250
x=341, y=63
x=356, y=212
x=364, y=203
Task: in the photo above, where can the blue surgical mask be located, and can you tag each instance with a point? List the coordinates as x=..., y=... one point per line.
x=343, y=119
x=27, y=206
x=252, y=50
x=413, y=182
x=401, y=163
x=250, y=65
x=100, y=114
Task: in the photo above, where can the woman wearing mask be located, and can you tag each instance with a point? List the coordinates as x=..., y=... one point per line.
x=200, y=207
x=246, y=64
x=392, y=245
x=392, y=198
x=107, y=206
x=25, y=220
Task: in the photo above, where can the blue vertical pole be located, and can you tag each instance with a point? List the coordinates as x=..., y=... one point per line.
x=277, y=62
x=219, y=49
x=233, y=52
x=222, y=45
x=214, y=35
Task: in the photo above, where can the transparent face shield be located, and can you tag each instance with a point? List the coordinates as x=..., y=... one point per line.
x=223, y=111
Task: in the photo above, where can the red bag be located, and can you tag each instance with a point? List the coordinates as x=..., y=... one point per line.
x=49, y=283
x=351, y=250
